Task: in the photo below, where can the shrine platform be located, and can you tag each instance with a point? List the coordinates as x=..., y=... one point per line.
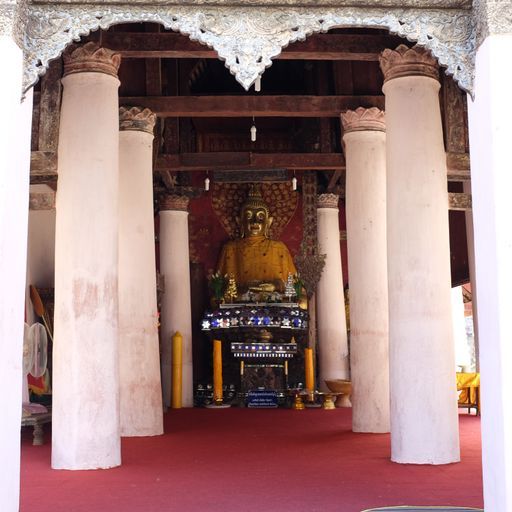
x=241, y=460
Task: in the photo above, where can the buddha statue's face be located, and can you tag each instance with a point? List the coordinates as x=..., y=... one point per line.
x=255, y=221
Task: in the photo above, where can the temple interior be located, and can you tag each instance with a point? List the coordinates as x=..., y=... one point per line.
x=255, y=254
x=195, y=244
x=203, y=134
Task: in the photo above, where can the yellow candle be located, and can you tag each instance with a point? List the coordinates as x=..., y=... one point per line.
x=177, y=350
x=217, y=370
x=308, y=364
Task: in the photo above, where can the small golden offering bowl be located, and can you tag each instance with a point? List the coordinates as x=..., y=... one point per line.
x=344, y=388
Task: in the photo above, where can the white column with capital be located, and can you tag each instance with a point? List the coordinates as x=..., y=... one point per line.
x=85, y=423
x=141, y=411
x=424, y=418
x=490, y=134
x=14, y=194
x=176, y=305
x=365, y=150
x=333, y=360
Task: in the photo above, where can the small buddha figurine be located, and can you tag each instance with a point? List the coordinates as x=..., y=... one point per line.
x=231, y=292
x=257, y=263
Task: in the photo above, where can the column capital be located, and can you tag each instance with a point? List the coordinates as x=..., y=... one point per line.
x=405, y=61
x=137, y=119
x=174, y=202
x=90, y=57
x=327, y=201
x=363, y=119
x=42, y=201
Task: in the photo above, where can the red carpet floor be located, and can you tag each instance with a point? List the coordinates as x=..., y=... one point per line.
x=253, y=460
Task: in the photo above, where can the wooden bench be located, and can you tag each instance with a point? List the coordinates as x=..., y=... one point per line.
x=37, y=420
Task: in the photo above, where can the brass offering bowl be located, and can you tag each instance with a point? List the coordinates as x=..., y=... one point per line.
x=344, y=388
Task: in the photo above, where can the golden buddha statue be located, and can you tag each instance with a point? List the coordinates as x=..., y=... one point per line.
x=257, y=263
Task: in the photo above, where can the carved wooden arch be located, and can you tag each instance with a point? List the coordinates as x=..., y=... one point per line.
x=248, y=38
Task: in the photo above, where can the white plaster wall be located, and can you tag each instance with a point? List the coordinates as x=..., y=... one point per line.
x=490, y=133
x=14, y=185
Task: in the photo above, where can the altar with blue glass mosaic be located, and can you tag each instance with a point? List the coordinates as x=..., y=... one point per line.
x=260, y=340
x=260, y=314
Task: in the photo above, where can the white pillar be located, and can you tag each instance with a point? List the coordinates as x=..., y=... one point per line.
x=462, y=349
x=14, y=185
x=139, y=358
x=365, y=150
x=330, y=311
x=176, y=306
x=470, y=236
x=424, y=419
x=490, y=133
x=85, y=424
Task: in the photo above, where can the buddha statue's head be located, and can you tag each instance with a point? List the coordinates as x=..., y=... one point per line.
x=255, y=219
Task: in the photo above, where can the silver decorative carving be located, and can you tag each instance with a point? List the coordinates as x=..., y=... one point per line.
x=436, y=4
x=247, y=38
x=7, y=16
x=492, y=17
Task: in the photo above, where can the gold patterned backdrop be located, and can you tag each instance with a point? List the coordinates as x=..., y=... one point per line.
x=227, y=199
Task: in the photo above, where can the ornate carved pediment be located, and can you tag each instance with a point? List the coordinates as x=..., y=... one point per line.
x=7, y=15
x=248, y=37
x=439, y=4
x=492, y=17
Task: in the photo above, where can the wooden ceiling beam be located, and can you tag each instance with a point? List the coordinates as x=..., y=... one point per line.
x=317, y=47
x=257, y=106
x=44, y=164
x=248, y=161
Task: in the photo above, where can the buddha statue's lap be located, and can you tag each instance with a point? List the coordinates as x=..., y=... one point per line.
x=257, y=263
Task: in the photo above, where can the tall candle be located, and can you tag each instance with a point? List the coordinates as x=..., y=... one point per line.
x=177, y=364
x=308, y=367
x=217, y=371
